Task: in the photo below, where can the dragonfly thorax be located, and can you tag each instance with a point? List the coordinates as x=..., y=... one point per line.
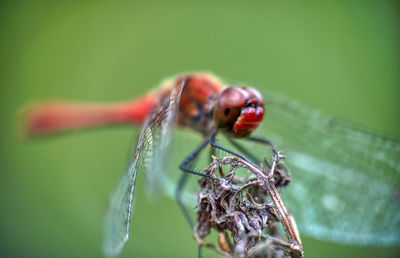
x=239, y=110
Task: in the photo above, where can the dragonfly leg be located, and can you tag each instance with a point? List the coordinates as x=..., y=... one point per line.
x=216, y=146
x=247, y=153
x=212, y=153
x=184, y=166
x=263, y=140
x=243, y=150
x=200, y=251
x=183, y=179
x=185, y=211
x=178, y=197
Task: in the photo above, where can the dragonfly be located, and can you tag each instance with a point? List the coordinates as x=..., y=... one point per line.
x=345, y=179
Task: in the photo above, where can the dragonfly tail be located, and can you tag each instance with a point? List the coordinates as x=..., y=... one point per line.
x=42, y=118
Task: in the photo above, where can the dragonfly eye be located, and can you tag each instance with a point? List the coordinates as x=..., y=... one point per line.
x=239, y=110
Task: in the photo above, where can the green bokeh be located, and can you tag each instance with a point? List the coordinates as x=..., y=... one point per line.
x=339, y=57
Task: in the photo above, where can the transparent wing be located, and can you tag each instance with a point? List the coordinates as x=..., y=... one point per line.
x=158, y=136
x=345, y=180
x=152, y=143
x=118, y=214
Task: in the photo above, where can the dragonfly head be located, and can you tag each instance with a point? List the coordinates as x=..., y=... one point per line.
x=239, y=110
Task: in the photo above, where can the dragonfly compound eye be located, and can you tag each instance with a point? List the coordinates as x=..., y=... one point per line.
x=238, y=110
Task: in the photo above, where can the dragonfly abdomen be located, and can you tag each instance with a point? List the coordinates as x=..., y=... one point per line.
x=57, y=116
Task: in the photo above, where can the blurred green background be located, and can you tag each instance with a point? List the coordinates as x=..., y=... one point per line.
x=339, y=57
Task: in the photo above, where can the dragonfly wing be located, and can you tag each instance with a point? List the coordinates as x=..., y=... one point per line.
x=118, y=214
x=154, y=139
x=158, y=136
x=345, y=180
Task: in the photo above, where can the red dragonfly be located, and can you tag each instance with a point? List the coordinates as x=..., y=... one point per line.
x=198, y=101
x=345, y=182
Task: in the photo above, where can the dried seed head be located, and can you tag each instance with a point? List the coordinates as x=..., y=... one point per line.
x=244, y=209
